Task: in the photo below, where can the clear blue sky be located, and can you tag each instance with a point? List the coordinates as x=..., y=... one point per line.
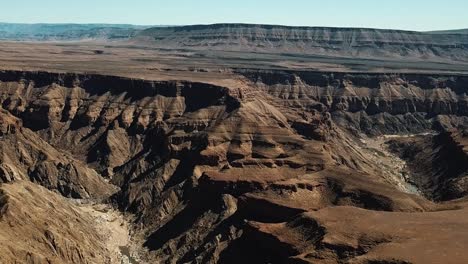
x=400, y=14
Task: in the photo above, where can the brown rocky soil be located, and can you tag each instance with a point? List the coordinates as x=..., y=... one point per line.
x=242, y=165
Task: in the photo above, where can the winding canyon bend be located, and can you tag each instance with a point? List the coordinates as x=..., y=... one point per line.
x=294, y=147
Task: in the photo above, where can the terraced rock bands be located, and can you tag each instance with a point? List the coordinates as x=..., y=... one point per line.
x=271, y=167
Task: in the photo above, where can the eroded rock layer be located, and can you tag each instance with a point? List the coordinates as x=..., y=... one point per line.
x=270, y=157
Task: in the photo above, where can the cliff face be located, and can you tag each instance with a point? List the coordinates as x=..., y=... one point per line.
x=358, y=42
x=26, y=156
x=371, y=103
x=208, y=169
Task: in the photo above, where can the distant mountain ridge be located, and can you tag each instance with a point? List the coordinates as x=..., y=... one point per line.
x=456, y=31
x=451, y=45
x=353, y=42
x=66, y=32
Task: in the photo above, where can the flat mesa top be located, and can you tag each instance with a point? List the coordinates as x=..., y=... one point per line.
x=212, y=51
x=146, y=62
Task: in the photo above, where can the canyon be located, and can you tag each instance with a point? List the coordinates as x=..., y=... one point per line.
x=175, y=154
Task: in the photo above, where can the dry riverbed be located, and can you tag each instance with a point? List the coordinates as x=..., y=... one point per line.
x=114, y=227
x=393, y=168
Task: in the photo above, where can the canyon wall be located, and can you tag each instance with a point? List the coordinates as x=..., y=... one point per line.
x=207, y=170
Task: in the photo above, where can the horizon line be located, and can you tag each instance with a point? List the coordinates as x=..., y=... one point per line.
x=225, y=23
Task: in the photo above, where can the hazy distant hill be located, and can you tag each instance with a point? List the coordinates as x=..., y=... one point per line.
x=457, y=31
x=451, y=45
x=360, y=42
x=45, y=32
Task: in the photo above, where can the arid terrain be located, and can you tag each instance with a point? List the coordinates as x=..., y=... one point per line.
x=235, y=143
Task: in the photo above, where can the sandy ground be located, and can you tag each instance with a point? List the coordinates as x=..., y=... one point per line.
x=114, y=227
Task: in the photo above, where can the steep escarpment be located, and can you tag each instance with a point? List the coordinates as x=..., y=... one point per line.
x=26, y=156
x=212, y=171
x=85, y=113
x=371, y=103
x=350, y=42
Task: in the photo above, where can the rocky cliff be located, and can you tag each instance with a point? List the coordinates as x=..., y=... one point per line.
x=210, y=171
